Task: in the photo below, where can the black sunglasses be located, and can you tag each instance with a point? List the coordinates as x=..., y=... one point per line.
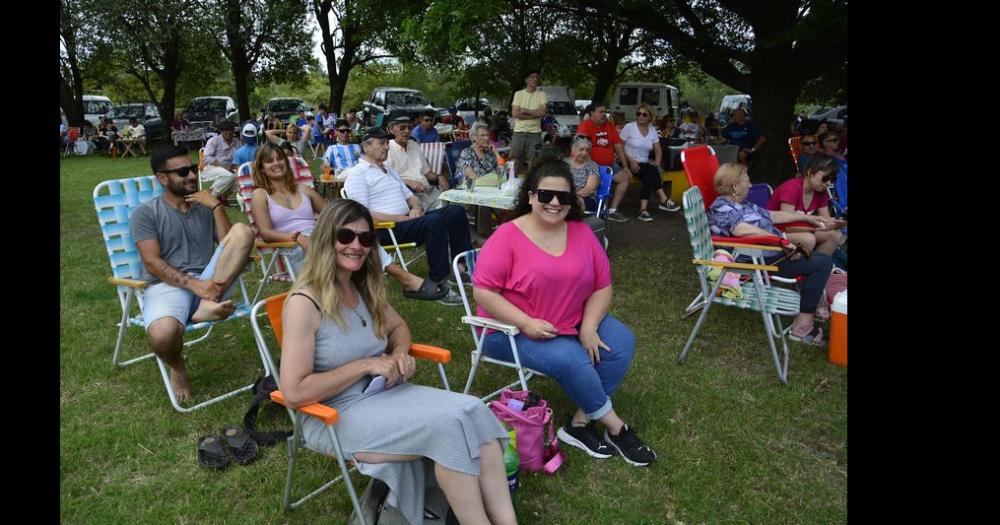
x=545, y=196
x=343, y=130
x=642, y=114
x=804, y=143
x=832, y=140
x=347, y=235
x=182, y=172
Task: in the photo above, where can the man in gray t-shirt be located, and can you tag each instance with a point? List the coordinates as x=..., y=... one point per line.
x=189, y=278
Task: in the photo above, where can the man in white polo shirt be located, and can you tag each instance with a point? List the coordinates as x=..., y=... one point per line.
x=383, y=192
x=407, y=159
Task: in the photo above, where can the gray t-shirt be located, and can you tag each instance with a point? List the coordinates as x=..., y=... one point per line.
x=581, y=174
x=187, y=240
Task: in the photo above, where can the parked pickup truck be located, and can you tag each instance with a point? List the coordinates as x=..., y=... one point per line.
x=387, y=103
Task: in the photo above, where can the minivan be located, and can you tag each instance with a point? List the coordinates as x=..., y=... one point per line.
x=201, y=111
x=95, y=107
x=562, y=102
x=628, y=95
x=730, y=103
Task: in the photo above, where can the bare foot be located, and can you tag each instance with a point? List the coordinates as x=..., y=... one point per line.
x=179, y=380
x=213, y=311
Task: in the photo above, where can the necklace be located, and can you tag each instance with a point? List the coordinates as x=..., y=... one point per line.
x=362, y=319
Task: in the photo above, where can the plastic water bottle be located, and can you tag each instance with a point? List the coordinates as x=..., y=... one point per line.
x=511, y=460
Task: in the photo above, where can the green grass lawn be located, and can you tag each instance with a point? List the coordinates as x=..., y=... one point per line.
x=734, y=445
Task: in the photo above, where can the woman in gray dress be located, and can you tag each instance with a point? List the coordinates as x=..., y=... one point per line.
x=340, y=332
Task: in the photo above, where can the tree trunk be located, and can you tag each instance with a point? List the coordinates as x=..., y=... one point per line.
x=338, y=85
x=238, y=58
x=773, y=103
x=603, y=80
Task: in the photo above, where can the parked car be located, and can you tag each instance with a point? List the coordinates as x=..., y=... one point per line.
x=387, y=103
x=562, y=102
x=284, y=107
x=730, y=103
x=835, y=115
x=628, y=95
x=147, y=113
x=467, y=109
x=581, y=105
x=201, y=111
x=95, y=107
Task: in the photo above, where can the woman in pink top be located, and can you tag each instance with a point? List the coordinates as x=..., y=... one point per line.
x=546, y=273
x=808, y=194
x=284, y=211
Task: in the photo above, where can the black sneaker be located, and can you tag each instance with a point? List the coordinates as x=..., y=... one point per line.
x=632, y=449
x=585, y=439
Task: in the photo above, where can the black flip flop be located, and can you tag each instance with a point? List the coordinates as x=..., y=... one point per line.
x=211, y=454
x=243, y=449
x=428, y=291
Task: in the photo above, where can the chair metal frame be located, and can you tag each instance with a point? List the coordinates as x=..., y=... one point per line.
x=758, y=293
x=601, y=195
x=477, y=326
x=114, y=201
x=72, y=135
x=329, y=416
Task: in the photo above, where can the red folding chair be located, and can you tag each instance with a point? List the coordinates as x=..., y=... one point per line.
x=72, y=135
x=700, y=165
x=795, y=148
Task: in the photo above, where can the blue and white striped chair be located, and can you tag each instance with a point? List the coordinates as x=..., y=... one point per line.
x=114, y=201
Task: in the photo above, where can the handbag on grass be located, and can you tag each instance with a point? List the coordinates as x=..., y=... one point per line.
x=537, y=445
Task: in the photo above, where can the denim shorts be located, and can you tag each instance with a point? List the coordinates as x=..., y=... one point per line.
x=165, y=300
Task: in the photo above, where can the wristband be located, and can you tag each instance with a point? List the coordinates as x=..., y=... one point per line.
x=216, y=206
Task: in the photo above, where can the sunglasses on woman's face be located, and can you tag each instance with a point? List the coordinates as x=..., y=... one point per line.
x=346, y=236
x=343, y=130
x=804, y=143
x=545, y=196
x=642, y=114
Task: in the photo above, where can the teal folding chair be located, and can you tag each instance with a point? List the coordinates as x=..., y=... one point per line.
x=478, y=326
x=758, y=293
x=114, y=201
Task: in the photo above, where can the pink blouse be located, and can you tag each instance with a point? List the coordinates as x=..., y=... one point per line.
x=542, y=285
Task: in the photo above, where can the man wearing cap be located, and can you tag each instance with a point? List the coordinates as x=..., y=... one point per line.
x=407, y=159
x=219, y=167
x=383, y=192
x=453, y=118
x=249, y=148
x=425, y=132
x=528, y=107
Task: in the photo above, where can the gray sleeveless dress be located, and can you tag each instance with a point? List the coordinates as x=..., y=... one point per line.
x=444, y=427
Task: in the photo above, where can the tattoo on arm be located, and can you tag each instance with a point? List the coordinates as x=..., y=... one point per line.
x=173, y=276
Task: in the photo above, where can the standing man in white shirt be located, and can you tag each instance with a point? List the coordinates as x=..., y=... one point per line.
x=407, y=159
x=219, y=167
x=528, y=108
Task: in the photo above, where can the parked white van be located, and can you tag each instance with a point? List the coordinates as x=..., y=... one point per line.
x=562, y=100
x=95, y=107
x=628, y=95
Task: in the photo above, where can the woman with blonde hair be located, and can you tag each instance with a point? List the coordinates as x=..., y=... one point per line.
x=285, y=211
x=340, y=333
x=641, y=138
x=731, y=215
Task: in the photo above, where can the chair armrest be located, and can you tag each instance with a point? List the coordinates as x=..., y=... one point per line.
x=131, y=283
x=486, y=322
x=736, y=265
x=747, y=246
x=277, y=244
x=430, y=353
x=759, y=242
x=797, y=226
x=385, y=225
x=327, y=415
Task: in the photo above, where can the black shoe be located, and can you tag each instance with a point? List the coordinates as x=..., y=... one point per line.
x=632, y=449
x=585, y=439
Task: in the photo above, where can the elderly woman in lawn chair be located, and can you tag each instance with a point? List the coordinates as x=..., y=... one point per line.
x=546, y=273
x=341, y=336
x=731, y=215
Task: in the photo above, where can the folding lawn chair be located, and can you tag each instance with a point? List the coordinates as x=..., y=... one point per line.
x=795, y=148
x=434, y=153
x=477, y=326
x=273, y=255
x=602, y=194
x=114, y=201
x=72, y=135
x=758, y=293
x=329, y=416
x=452, y=150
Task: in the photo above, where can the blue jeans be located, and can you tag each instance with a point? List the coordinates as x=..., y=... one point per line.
x=565, y=360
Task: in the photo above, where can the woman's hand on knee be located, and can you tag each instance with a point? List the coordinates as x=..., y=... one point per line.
x=591, y=342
